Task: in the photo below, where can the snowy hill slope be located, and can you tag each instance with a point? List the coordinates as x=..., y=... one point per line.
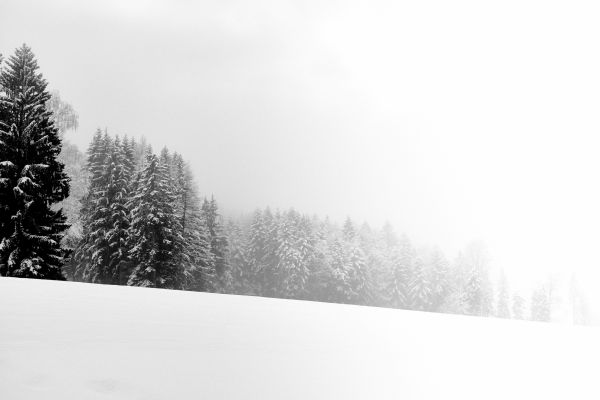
x=64, y=340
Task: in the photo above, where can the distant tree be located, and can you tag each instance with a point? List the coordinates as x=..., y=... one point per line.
x=32, y=180
x=348, y=231
x=196, y=257
x=218, y=240
x=502, y=309
x=438, y=271
x=65, y=118
x=240, y=273
x=358, y=275
x=540, y=304
x=402, y=268
x=578, y=302
x=129, y=161
x=518, y=306
x=419, y=289
x=478, y=289
x=340, y=285
x=294, y=250
x=63, y=114
x=388, y=236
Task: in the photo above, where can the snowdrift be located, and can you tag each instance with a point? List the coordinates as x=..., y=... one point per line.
x=64, y=340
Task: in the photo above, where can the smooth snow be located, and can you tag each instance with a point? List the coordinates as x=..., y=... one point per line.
x=64, y=340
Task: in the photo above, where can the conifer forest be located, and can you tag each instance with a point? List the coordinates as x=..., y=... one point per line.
x=124, y=211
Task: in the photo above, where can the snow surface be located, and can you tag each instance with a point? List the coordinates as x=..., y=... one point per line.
x=64, y=340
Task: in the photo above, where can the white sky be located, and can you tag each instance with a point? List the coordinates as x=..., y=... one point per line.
x=454, y=120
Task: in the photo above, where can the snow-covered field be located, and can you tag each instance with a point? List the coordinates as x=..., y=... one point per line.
x=73, y=341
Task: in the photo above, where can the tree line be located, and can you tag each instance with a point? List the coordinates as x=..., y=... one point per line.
x=136, y=217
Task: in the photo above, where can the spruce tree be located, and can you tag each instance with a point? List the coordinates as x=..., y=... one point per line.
x=128, y=149
x=117, y=195
x=92, y=255
x=32, y=180
x=348, y=231
x=540, y=304
x=218, y=240
x=155, y=231
x=438, y=271
x=239, y=275
x=262, y=252
x=358, y=275
x=340, y=289
x=402, y=265
x=502, y=309
x=293, y=254
x=196, y=257
x=419, y=288
x=518, y=306
x=97, y=152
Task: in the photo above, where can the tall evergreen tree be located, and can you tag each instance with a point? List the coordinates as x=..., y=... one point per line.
x=117, y=204
x=358, y=275
x=402, y=265
x=294, y=251
x=440, y=285
x=32, y=180
x=340, y=285
x=155, y=231
x=92, y=254
x=218, y=240
x=262, y=247
x=478, y=289
x=419, y=287
x=196, y=256
x=239, y=277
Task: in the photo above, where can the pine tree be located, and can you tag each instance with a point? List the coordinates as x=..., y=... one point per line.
x=402, y=264
x=294, y=251
x=262, y=246
x=155, y=231
x=340, y=289
x=32, y=180
x=196, y=256
x=348, y=231
x=129, y=166
x=540, y=305
x=358, y=275
x=518, y=306
x=239, y=276
x=96, y=155
x=218, y=240
x=478, y=289
x=419, y=288
x=92, y=254
x=117, y=203
x=440, y=288
x=503, y=310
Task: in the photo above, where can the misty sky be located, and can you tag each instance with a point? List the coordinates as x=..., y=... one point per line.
x=455, y=121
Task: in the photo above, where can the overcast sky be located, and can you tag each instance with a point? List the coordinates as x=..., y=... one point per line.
x=455, y=120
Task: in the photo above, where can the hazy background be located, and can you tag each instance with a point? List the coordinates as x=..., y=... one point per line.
x=455, y=121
